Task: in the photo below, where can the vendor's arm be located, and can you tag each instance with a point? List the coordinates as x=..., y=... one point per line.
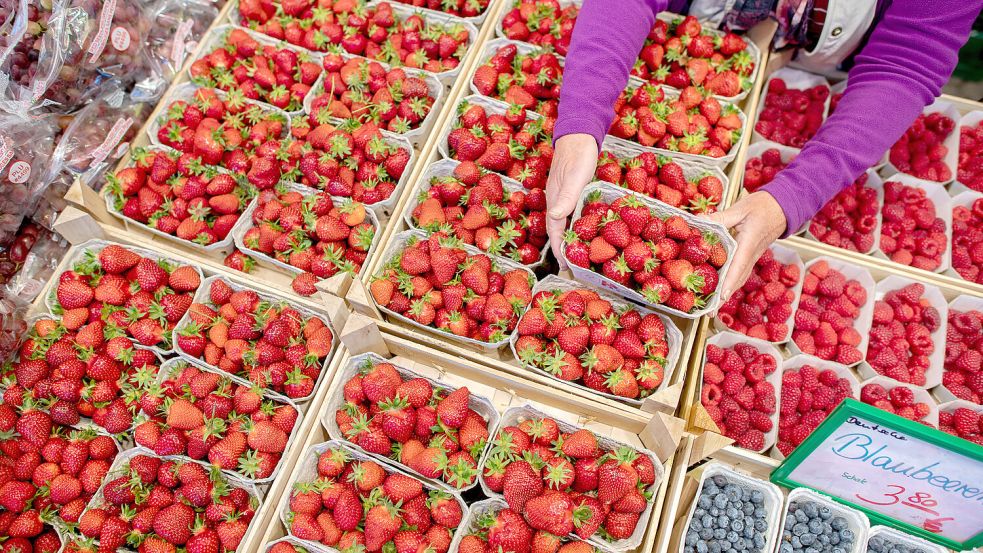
x=909, y=57
x=606, y=41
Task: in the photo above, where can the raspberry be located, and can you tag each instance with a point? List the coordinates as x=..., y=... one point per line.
x=710, y=395
x=945, y=418
x=752, y=439
x=901, y=396
x=714, y=413
x=800, y=433
x=733, y=383
x=754, y=372
x=737, y=423
x=884, y=405
x=745, y=398
x=732, y=362
x=965, y=421
x=824, y=399
x=761, y=421
x=847, y=354
x=871, y=393
x=764, y=388
x=765, y=403
x=747, y=352
x=921, y=410
x=715, y=354
x=712, y=373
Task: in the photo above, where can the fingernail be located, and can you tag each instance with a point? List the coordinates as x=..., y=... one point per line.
x=556, y=214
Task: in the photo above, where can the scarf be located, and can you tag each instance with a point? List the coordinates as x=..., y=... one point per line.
x=792, y=17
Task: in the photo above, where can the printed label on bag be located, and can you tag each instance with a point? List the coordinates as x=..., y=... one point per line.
x=113, y=137
x=120, y=38
x=20, y=171
x=6, y=152
x=179, y=48
x=102, y=35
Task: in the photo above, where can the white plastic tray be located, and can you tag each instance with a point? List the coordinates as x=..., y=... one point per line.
x=856, y=520
x=674, y=338
x=963, y=199
x=479, y=404
x=936, y=194
x=951, y=142
x=960, y=303
x=921, y=396
x=202, y=296
x=794, y=79
x=609, y=193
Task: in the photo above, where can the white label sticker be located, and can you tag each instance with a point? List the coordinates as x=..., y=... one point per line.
x=113, y=137
x=120, y=38
x=6, y=152
x=20, y=171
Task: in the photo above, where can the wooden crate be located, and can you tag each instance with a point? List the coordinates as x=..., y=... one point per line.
x=660, y=433
x=692, y=410
x=736, y=174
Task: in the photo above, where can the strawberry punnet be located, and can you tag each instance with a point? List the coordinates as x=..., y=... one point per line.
x=963, y=422
x=375, y=32
x=285, y=545
x=514, y=143
x=967, y=240
x=664, y=258
x=174, y=194
x=688, y=123
x=564, y=482
x=496, y=527
x=349, y=502
x=212, y=126
x=681, y=53
x=808, y=395
x=308, y=231
x=78, y=368
x=762, y=308
x=130, y=295
x=477, y=207
x=901, y=341
x=206, y=416
x=759, y=171
x=849, y=220
x=970, y=172
x=257, y=337
x=169, y=503
x=435, y=282
x=827, y=314
x=662, y=178
x=460, y=8
x=541, y=22
x=351, y=160
x=791, y=116
x=737, y=393
x=434, y=431
x=896, y=399
x=530, y=80
x=964, y=355
x=281, y=77
x=366, y=90
x=48, y=470
x=578, y=336
x=921, y=151
x=924, y=245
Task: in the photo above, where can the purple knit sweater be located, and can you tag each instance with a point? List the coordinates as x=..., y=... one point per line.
x=908, y=58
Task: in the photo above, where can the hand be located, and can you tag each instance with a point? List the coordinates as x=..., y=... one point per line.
x=758, y=221
x=574, y=162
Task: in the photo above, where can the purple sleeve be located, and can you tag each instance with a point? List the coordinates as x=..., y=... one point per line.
x=606, y=41
x=908, y=58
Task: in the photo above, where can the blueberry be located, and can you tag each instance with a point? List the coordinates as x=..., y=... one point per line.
x=799, y=529
x=759, y=541
x=691, y=537
x=720, y=480
x=714, y=546
x=823, y=539
x=760, y=525
x=846, y=535
x=760, y=512
x=737, y=525
x=815, y=527
x=732, y=537
x=745, y=494
x=838, y=523
x=757, y=497
x=704, y=502
x=749, y=508
x=786, y=548
x=789, y=522
x=706, y=534
x=834, y=538
x=714, y=512
x=719, y=533
x=811, y=549
x=689, y=549
x=824, y=512
x=723, y=521
x=701, y=547
x=807, y=539
x=839, y=550
x=707, y=521
x=800, y=515
x=720, y=501
x=797, y=542
x=749, y=530
x=732, y=512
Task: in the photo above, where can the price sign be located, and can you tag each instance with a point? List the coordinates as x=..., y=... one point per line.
x=901, y=473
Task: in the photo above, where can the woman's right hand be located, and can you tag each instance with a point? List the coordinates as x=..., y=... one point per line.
x=574, y=162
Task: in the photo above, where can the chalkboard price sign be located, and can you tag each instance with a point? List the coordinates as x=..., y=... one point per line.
x=901, y=473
